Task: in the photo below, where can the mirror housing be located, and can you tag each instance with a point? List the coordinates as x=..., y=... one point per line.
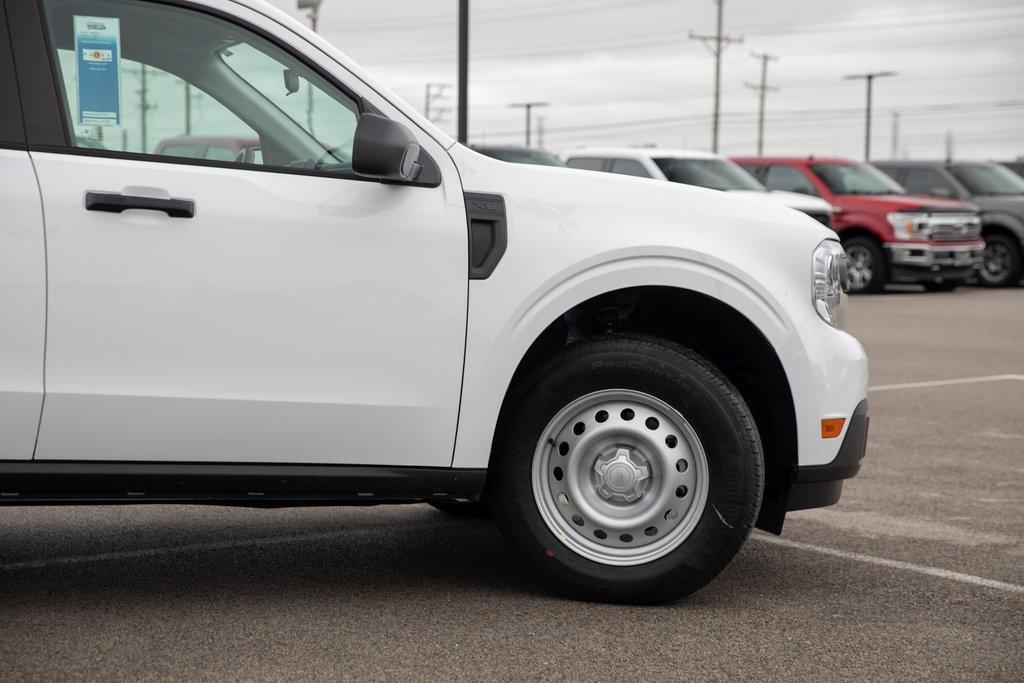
x=385, y=150
x=291, y=82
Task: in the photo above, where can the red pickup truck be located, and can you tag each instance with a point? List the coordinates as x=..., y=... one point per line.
x=889, y=235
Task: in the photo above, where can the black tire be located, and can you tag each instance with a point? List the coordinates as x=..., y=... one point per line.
x=718, y=415
x=1002, y=266
x=478, y=508
x=867, y=248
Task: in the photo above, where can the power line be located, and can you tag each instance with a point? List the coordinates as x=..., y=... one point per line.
x=762, y=89
x=794, y=114
x=522, y=12
x=597, y=45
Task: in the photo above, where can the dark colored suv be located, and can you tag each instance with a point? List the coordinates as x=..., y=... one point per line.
x=1015, y=166
x=995, y=189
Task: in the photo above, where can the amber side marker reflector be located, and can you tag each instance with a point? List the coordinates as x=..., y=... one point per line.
x=832, y=427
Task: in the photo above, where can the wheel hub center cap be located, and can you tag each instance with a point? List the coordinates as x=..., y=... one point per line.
x=621, y=475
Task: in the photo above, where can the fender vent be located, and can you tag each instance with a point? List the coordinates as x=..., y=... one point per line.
x=488, y=233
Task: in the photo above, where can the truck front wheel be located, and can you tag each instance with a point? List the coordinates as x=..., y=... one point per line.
x=1002, y=265
x=630, y=471
x=865, y=265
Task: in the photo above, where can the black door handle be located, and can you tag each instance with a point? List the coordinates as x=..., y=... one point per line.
x=116, y=203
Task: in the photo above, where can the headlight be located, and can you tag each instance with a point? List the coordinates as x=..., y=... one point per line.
x=909, y=226
x=828, y=287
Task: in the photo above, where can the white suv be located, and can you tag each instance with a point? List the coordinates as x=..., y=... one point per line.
x=702, y=169
x=631, y=375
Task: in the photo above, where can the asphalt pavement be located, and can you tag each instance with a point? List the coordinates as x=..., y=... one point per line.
x=918, y=573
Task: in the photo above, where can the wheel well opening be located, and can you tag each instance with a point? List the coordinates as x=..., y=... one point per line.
x=709, y=327
x=850, y=233
x=990, y=229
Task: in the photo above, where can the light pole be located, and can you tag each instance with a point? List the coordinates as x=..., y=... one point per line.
x=869, y=78
x=528, y=107
x=463, y=107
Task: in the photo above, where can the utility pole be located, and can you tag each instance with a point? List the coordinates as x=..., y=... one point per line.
x=313, y=8
x=717, y=45
x=144, y=107
x=949, y=146
x=463, y=115
x=895, y=135
x=437, y=93
x=869, y=78
x=540, y=132
x=762, y=89
x=528, y=107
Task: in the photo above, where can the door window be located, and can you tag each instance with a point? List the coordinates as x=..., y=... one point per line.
x=927, y=182
x=586, y=163
x=789, y=179
x=629, y=167
x=147, y=78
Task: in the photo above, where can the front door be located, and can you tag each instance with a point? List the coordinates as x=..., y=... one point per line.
x=272, y=307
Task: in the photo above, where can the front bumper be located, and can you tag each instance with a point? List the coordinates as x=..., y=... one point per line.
x=821, y=485
x=924, y=262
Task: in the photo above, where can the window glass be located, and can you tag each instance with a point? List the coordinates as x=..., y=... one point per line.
x=789, y=179
x=629, y=167
x=988, y=179
x=148, y=78
x=586, y=163
x=521, y=155
x=927, y=182
x=717, y=174
x=857, y=179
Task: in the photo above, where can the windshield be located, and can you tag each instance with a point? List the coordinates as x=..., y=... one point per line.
x=523, y=156
x=717, y=174
x=988, y=179
x=856, y=179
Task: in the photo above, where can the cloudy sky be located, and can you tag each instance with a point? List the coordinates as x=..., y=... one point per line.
x=624, y=72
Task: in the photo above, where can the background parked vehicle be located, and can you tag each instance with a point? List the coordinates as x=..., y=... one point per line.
x=701, y=169
x=520, y=155
x=996, y=190
x=889, y=235
x=1015, y=166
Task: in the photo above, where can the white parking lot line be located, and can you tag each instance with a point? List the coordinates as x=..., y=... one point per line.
x=893, y=564
x=948, y=382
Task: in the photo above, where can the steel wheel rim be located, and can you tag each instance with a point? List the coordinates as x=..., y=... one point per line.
x=996, y=262
x=590, y=481
x=860, y=267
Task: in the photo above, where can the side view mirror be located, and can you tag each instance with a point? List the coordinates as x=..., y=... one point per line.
x=291, y=82
x=385, y=149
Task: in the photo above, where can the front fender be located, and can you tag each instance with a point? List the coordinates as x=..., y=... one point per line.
x=499, y=335
x=1006, y=221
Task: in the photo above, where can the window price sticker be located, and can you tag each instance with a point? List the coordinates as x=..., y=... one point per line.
x=98, y=57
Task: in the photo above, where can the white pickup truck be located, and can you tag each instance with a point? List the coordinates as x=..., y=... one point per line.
x=631, y=375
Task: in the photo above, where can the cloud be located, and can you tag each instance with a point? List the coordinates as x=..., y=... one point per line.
x=618, y=71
